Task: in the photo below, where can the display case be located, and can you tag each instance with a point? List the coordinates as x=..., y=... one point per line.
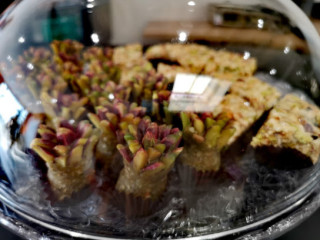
x=158, y=120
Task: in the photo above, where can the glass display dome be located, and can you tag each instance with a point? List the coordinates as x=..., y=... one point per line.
x=151, y=119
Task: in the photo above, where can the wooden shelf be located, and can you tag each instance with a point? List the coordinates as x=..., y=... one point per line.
x=167, y=31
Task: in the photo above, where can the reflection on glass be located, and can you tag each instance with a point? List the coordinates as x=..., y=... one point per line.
x=246, y=55
x=191, y=3
x=95, y=37
x=273, y=71
x=286, y=50
x=9, y=104
x=183, y=36
x=21, y=39
x=90, y=5
x=115, y=119
x=197, y=93
x=260, y=23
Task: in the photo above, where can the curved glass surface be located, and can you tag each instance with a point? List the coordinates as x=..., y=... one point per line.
x=171, y=119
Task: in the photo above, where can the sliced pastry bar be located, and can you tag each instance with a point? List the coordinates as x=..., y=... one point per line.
x=166, y=51
x=170, y=71
x=201, y=59
x=128, y=56
x=130, y=60
x=292, y=127
x=191, y=56
x=228, y=64
x=243, y=115
x=140, y=69
x=248, y=99
x=261, y=95
x=68, y=153
x=207, y=135
x=149, y=152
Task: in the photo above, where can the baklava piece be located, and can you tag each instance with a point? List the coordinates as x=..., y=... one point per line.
x=207, y=135
x=291, y=132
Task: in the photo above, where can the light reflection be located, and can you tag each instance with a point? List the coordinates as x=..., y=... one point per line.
x=90, y=5
x=197, y=93
x=260, y=23
x=95, y=38
x=218, y=19
x=30, y=66
x=246, y=55
x=183, y=36
x=54, y=100
x=191, y=3
x=21, y=39
x=286, y=50
x=273, y=71
x=314, y=86
x=111, y=96
x=32, y=125
x=9, y=104
x=9, y=58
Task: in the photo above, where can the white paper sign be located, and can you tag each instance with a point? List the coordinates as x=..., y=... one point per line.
x=197, y=93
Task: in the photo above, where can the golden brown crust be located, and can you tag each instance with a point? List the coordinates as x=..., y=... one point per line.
x=243, y=114
x=128, y=56
x=293, y=123
x=170, y=71
x=261, y=95
x=201, y=59
x=224, y=62
x=192, y=56
x=130, y=60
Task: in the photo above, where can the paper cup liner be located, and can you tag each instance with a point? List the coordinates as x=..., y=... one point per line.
x=107, y=176
x=132, y=206
x=74, y=198
x=192, y=178
x=111, y=168
x=137, y=207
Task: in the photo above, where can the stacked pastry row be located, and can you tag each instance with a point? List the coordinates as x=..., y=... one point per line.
x=102, y=103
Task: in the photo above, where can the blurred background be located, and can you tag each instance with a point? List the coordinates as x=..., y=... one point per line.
x=4, y=4
x=310, y=229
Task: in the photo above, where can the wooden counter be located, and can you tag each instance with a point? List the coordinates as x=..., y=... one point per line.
x=167, y=31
